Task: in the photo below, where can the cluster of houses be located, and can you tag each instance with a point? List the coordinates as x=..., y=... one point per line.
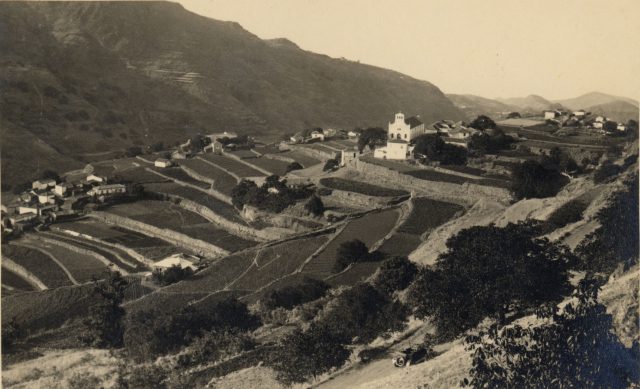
x=48, y=200
x=581, y=118
x=316, y=135
x=403, y=130
x=214, y=144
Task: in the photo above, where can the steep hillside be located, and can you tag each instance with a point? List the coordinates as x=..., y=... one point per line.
x=85, y=78
x=473, y=105
x=532, y=103
x=594, y=99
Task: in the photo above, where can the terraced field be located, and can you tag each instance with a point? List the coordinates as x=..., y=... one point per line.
x=301, y=157
x=141, y=175
x=236, y=167
x=361, y=187
x=170, y=216
x=242, y=153
x=369, y=229
x=39, y=264
x=319, y=147
x=82, y=267
x=274, y=166
x=178, y=174
x=12, y=283
x=222, y=181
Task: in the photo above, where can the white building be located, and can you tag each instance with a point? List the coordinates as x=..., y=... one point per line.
x=405, y=129
x=94, y=178
x=182, y=260
x=621, y=127
x=579, y=113
x=600, y=119
x=162, y=162
x=43, y=184
x=346, y=156
x=395, y=149
x=598, y=125
x=551, y=114
x=62, y=189
x=106, y=190
x=46, y=198
x=317, y=135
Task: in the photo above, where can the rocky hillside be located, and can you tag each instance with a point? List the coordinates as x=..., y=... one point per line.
x=80, y=79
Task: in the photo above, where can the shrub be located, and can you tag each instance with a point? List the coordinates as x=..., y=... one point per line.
x=395, y=273
x=11, y=333
x=213, y=346
x=576, y=348
x=314, y=206
x=606, y=171
x=171, y=275
x=290, y=296
x=142, y=376
x=274, y=195
x=532, y=179
x=133, y=151
x=294, y=166
x=490, y=271
x=372, y=137
x=561, y=160
x=482, y=122
x=350, y=252
x=433, y=148
x=330, y=165
x=568, y=213
x=484, y=143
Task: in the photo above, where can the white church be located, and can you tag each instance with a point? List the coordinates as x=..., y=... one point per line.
x=400, y=133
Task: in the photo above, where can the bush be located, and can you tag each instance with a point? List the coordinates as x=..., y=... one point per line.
x=294, y=166
x=372, y=137
x=330, y=165
x=395, y=273
x=484, y=143
x=606, y=171
x=577, y=348
x=314, y=206
x=273, y=196
x=214, y=346
x=133, y=151
x=561, y=160
x=490, y=271
x=171, y=275
x=532, y=179
x=350, y=252
x=290, y=296
x=568, y=213
x=433, y=148
x=482, y=123
x=11, y=333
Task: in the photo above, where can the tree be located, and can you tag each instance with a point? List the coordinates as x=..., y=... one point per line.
x=11, y=333
x=513, y=115
x=49, y=174
x=290, y=296
x=303, y=355
x=606, y=171
x=433, y=148
x=314, y=206
x=490, y=271
x=330, y=165
x=532, y=179
x=350, y=252
x=294, y=166
x=372, y=137
x=610, y=126
x=574, y=348
x=103, y=326
x=395, y=273
x=482, y=123
x=561, y=160
x=175, y=273
x=484, y=143
x=133, y=151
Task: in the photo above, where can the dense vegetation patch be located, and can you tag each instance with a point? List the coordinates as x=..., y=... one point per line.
x=175, y=273
x=293, y=295
x=433, y=148
x=361, y=187
x=273, y=196
x=533, y=179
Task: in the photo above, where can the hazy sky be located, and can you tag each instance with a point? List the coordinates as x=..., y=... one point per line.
x=493, y=48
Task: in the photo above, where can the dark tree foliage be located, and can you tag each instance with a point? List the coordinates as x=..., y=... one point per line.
x=575, y=348
x=616, y=240
x=490, y=271
x=395, y=273
x=294, y=166
x=290, y=296
x=273, y=196
x=362, y=313
x=175, y=273
x=303, y=355
x=484, y=143
x=314, y=206
x=103, y=326
x=606, y=172
x=372, y=137
x=330, y=165
x=632, y=128
x=198, y=142
x=350, y=252
x=152, y=333
x=133, y=151
x=532, y=179
x=158, y=146
x=11, y=333
x=513, y=115
x=215, y=345
x=241, y=141
x=482, y=123
x=568, y=213
x=610, y=126
x=49, y=174
x=433, y=148
x=561, y=160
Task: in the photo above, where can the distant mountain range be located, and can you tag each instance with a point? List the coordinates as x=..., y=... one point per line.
x=80, y=79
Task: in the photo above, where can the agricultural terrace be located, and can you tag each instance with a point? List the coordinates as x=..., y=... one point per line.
x=37, y=263
x=12, y=283
x=340, y=144
x=178, y=174
x=319, y=147
x=141, y=175
x=112, y=255
x=369, y=228
x=221, y=208
x=301, y=157
x=432, y=175
x=170, y=216
x=267, y=149
x=275, y=166
x=222, y=181
x=361, y=187
x=426, y=215
x=542, y=132
x=243, y=153
x=82, y=267
x=233, y=166
x=147, y=246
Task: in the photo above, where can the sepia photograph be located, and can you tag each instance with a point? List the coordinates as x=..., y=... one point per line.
x=330, y=194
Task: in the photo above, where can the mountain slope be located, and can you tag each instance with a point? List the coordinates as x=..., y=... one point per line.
x=89, y=77
x=620, y=111
x=473, y=105
x=593, y=99
x=531, y=103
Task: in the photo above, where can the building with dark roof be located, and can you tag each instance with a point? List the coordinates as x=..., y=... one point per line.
x=405, y=129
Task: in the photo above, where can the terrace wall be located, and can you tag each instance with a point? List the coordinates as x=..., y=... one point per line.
x=466, y=193
x=358, y=199
x=193, y=174
x=22, y=272
x=321, y=155
x=200, y=247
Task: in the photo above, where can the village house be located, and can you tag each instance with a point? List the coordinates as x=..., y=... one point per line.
x=182, y=260
x=352, y=134
x=346, y=156
x=107, y=190
x=162, y=162
x=43, y=184
x=37, y=209
x=297, y=138
x=551, y=114
x=215, y=147
x=600, y=119
x=317, y=135
x=395, y=149
x=621, y=127
x=63, y=189
x=46, y=198
x=598, y=125
x=92, y=178
x=23, y=221
x=405, y=129
x=579, y=113
x=178, y=154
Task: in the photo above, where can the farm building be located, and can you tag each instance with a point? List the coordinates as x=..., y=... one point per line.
x=182, y=260
x=62, y=189
x=579, y=113
x=551, y=114
x=179, y=155
x=346, y=156
x=352, y=134
x=405, y=129
x=461, y=133
x=317, y=135
x=215, y=147
x=107, y=190
x=621, y=127
x=43, y=184
x=46, y=198
x=162, y=162
x=395, y=149
x=94, y=178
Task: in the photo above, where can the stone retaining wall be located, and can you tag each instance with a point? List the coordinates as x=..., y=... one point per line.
x=24, y=273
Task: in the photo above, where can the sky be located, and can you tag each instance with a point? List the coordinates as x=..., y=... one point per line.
x=493, y=48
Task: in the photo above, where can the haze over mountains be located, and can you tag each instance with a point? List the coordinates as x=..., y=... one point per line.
x=81, y=79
